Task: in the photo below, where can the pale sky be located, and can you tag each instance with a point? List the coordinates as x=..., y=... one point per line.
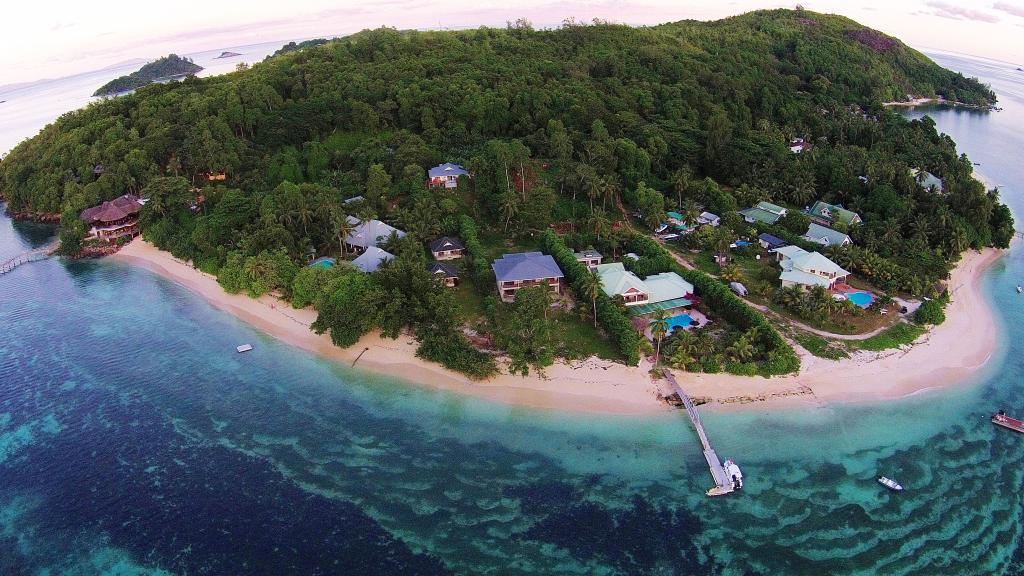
x=54, y=38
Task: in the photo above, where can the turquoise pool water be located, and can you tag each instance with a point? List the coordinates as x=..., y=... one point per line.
x=323, y=263
x=862, y=299
x=682, y=321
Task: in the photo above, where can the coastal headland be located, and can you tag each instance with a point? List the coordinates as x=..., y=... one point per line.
x=941, y=358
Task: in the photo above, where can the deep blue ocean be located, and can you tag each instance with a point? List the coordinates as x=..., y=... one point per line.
x=134, y=440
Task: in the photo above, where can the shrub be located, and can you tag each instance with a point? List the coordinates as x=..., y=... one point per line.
x=932, y=311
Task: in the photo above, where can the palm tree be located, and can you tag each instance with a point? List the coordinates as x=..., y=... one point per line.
x=343, y=227
x=690, y=212
x=731, y=273
x=741, y=350
x=659, y=328
x=608, y=190
x=681, y=359
x=599, y=222
x=681, y=183
x=591, y=285
x=304, y=215
x=509, y=208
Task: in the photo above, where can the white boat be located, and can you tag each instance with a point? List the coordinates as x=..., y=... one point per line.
x=890, y=484
x=243, y=348
x=734, y=473
x=1019, y=289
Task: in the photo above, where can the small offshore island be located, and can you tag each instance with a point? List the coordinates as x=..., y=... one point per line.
x=166, y=68
x=731, y=200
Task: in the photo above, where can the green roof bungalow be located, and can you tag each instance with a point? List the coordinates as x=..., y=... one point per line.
x=617, y=281
x=826, y=236
x=764, y=212
x=828, y=214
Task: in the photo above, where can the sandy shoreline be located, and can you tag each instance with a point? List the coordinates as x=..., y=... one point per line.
x=942, y=359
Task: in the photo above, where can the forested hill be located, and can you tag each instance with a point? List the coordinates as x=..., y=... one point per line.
x=609, y=106
x=166, y=67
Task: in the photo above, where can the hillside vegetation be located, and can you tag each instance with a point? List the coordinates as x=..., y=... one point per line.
x=574, y=125
x=166, y=67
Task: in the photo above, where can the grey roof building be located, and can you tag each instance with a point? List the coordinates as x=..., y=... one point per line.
x=370, y=233
x=371, y=259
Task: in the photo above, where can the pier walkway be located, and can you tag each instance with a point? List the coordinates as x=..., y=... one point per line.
x=723, y=483
x=40, y=253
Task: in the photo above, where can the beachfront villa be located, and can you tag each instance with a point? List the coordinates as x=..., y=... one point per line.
x=371, y=259
x=113, y=219
x=525, y=269
x=446, y=175
x=446, y=272
x=826, y=236
x=665, y=291
x=828, y=214
x=371, y=233
x=590, y=258
x=808, y=269
x=764, y=212
x=447, y=248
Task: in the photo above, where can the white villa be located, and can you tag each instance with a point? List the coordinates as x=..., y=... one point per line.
x=664, y=291
x=808, y=269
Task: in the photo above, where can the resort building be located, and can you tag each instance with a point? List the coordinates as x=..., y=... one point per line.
x=797, y=145
x=808, y=269
x=617, y=281
x=826, y=236
x=709, y=218
x=769, y=242
x=353, y=200
x=446, y=175
x=525, y=269
x=371, y=259
x=828, y=214
x=114, y=219
x=446, y=272
x=764, y=212
x=370, y=233
x=590, y=258
x=927, y=180
x=447, y=248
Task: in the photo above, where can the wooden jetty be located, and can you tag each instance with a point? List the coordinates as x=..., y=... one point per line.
x=25, y=257
x=723, y=482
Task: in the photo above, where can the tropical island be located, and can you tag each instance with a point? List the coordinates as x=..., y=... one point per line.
x=166, y=68
x=590, y=204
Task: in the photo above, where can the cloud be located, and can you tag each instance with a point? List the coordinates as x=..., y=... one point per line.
x=1009, y=8
x=954, y=12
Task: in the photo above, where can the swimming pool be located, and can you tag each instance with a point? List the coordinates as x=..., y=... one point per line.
x=862, y=299
x=323, y=263
x=682, y=321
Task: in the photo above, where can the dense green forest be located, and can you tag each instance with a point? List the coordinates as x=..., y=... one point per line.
x=166, y=67
x=578, y=125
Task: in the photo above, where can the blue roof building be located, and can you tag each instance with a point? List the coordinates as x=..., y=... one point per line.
x=523, y=269
x=446, y=175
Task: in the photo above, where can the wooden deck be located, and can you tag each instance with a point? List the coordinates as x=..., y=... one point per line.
x=723, y=484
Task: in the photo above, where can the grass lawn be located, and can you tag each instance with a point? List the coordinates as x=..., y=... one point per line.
x=576, y=338
x=821, y=347
x=470, y=302
x=495, y=243
x=898, y=335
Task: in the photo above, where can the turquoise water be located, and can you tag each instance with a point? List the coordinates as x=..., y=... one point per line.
x=862, y=299
x=134, y=440
x=324, y=262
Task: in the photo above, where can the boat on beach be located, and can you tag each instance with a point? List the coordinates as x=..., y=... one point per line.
x=890, y=484
x=1001, y=419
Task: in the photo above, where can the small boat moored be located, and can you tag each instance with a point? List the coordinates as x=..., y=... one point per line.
x=1001, y=419
x=243, y=348
x=890, y=484
x=1019, y=288
x=734, y=474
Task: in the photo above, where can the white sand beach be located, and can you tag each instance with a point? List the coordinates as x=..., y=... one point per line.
x=944, y=357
